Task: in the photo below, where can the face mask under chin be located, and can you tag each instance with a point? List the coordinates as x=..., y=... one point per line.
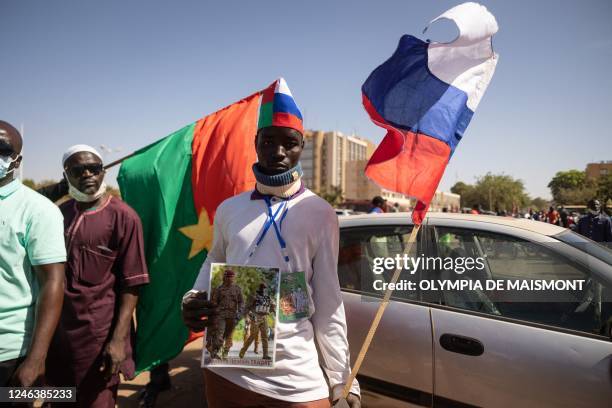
x=82, y=197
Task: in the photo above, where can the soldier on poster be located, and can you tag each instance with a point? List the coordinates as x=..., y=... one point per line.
x=260, y=306
x=229, y=300
x=249, y=327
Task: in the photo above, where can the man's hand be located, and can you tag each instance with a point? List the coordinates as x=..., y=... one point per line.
x=30, y=372
x=197, y=311
x=112, y=357
x=352, y=401
x=48, y=308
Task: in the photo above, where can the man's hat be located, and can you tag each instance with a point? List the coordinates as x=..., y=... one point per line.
x=80, y=148
x=278, y=108
x=229, y=273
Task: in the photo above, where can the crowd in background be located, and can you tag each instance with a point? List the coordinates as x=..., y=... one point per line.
x=594, y=224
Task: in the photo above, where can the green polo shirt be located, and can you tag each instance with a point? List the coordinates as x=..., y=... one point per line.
x=31, y=233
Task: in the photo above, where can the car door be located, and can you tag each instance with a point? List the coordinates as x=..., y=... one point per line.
x=495, y=350
x=398, y=369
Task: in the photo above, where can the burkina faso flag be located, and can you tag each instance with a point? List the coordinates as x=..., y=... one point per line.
x=175, y=186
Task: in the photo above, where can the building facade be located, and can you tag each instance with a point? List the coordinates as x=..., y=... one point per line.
x=325, y=157
x=360, y=188
x=597, y=170
x=333, y=162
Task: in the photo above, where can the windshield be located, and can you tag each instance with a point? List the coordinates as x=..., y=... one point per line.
x=599, y=251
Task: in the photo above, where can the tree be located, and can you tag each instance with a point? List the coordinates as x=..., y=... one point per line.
x=572, y=187
x=333, y=197
x=494, y=192
x=539, y=203
x=467, y=192
x=604, y=188
x=30, y=183
x=45, y=183
x=35, y=186
x=576, y=196
x=501, y=192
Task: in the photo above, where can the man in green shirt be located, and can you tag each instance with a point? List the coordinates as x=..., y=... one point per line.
x=32, y=256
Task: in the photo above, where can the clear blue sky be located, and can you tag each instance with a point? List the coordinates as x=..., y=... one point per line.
x=126, y=73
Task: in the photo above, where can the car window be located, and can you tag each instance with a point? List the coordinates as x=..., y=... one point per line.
x=361, y=249
x=509, y=259
x=600, y=250
x=454, y=247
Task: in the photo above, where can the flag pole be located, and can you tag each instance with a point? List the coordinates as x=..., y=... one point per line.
x=118, y=161
x=21, y=165
x=379, y=314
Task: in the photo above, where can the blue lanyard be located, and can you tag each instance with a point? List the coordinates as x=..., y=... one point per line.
x=271, y=222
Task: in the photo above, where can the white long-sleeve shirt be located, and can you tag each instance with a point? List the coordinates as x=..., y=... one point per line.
x=310, y=230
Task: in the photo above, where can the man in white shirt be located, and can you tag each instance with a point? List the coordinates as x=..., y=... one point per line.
x=303, y=240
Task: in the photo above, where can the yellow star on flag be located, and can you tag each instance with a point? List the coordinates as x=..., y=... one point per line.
x=201, y=234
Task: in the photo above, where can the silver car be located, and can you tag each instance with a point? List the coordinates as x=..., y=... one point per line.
x=454, y=348
x=344, y=211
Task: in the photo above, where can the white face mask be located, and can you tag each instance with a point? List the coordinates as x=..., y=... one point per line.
x=82, y=197
x=5, y=163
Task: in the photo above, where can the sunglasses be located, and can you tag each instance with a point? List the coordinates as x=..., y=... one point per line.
x=78, y=170
x=6, y=150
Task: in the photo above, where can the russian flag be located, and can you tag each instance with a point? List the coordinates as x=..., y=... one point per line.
x=425, y=96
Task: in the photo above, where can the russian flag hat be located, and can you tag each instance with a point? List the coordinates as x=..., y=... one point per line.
x=278, y=108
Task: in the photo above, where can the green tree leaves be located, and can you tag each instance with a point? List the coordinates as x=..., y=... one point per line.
x=493, y=192
x=572, y=187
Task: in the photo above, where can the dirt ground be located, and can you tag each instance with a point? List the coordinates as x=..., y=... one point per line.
x=187, y=385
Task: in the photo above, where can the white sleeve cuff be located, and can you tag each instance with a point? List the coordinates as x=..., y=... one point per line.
x=337, y=390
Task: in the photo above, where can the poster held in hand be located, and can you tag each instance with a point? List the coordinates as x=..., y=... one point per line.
x=246, y=299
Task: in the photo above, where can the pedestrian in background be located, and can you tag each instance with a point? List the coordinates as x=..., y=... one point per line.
x=563, y=217
x=552, y=216
x=595, y=224
x=378, y=205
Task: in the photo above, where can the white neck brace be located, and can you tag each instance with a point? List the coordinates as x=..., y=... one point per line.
x=285, y=191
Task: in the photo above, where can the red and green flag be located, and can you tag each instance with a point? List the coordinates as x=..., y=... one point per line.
x=175, y=185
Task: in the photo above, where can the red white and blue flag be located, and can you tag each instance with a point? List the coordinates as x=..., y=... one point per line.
x=425, y=96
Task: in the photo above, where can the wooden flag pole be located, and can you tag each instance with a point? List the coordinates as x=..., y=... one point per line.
x=118, y=161
x=379, y=314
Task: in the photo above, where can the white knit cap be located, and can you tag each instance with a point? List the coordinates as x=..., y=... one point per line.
x=78, y=149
